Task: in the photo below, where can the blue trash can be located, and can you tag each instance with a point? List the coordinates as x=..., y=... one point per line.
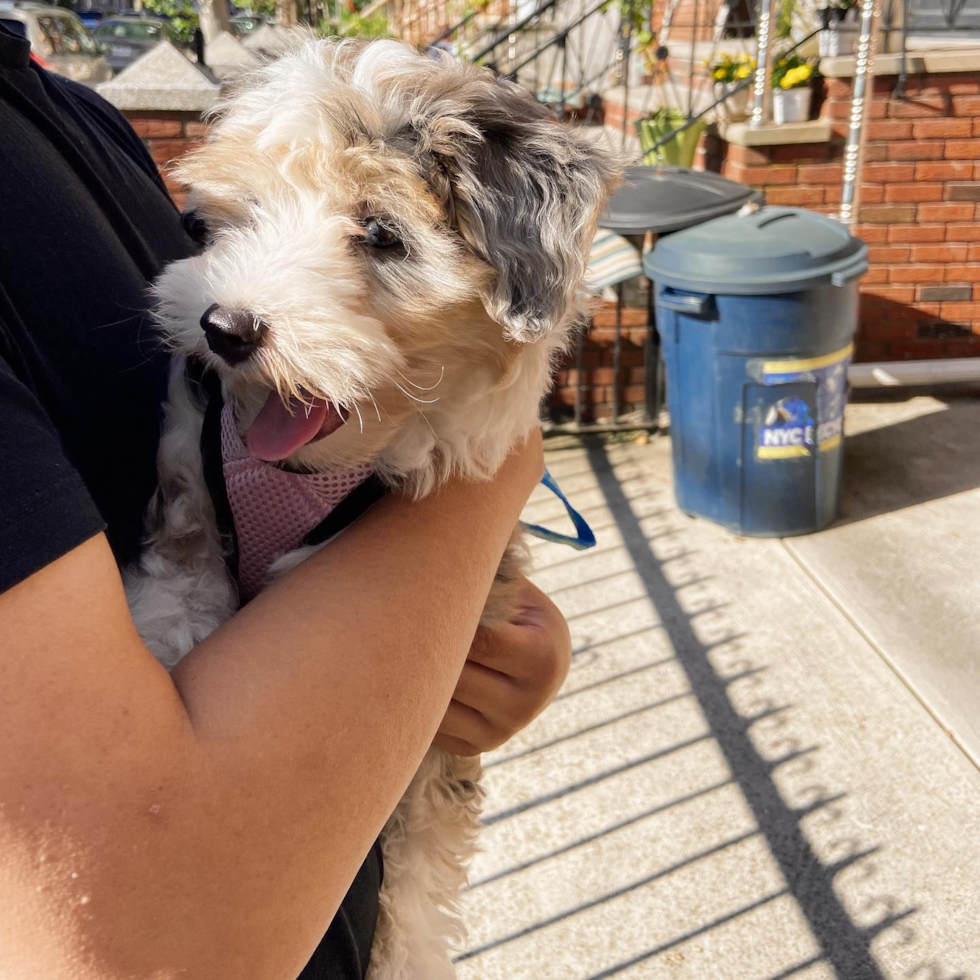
x=757, y=313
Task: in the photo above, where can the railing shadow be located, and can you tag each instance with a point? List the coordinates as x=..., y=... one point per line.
x=709, y=674
x=844, y=945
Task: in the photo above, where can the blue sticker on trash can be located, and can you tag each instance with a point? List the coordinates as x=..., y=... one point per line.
x=789, y=429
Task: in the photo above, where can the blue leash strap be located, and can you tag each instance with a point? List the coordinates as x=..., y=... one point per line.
x=584, y=538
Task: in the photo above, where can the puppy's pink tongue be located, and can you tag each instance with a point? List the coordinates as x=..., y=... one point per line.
x=280, y=429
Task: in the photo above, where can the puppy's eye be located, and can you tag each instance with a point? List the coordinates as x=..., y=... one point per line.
x=195, y=227
x=377, y=235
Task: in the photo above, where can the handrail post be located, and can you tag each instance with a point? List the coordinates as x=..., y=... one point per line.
x=623, y=56
x=761, y=87
x=864, y=83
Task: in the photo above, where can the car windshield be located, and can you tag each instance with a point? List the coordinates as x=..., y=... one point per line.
x=66, y=35
x=134, y=30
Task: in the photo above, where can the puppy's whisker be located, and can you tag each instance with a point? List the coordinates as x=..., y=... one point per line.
x=418, y=387
x=375, y=404
x=415, y=398
x=359, y=418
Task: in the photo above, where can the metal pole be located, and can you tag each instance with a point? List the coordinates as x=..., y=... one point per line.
x=903, y=73
x=762, y=90
x=617, y=352
x=690, y=74
x=564, y=73
x=512, y=39
x=864, y=83
x=626, y=41
x=651, y=360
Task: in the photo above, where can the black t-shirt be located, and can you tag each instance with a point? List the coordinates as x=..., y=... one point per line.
x=85, y=223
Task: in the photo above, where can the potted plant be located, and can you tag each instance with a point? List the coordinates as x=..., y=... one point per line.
x=727, y=73
x=791, y=79
x=677, y=152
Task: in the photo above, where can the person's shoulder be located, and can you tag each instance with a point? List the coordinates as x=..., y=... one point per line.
x=110, y=121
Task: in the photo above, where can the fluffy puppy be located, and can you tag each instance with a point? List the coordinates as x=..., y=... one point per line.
x=393, y=253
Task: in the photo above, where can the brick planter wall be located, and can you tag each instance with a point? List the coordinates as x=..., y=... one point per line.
x=920, y=208
x=597, y=367
x=168, y=135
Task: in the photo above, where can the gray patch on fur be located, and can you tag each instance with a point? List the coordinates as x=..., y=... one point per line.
x=523, y=190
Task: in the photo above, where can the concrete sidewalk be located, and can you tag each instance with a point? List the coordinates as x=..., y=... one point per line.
x=750, y=774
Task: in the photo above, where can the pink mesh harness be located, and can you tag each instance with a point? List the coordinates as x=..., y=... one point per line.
x=274, y=509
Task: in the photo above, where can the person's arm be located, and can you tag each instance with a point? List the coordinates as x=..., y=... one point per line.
x=207, y=824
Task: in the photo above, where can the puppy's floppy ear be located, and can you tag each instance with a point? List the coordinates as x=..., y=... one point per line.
x=525, y=194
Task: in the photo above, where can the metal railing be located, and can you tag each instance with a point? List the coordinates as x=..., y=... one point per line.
x=564, y=51
x=941, y=17
x=557, y=39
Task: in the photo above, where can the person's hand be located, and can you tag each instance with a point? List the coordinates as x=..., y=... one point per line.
x=511, y=674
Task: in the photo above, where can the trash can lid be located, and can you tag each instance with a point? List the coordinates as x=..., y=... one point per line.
x=663, y=199
x=766, y=251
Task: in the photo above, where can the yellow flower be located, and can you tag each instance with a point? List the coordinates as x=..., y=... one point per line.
x=719, y=74
x=743, y=71
x=796, y=77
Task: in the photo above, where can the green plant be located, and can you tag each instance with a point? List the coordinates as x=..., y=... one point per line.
x=793, y=72
x=784, y=19
x=266, y=9
x=352, y=24
x=183, y=17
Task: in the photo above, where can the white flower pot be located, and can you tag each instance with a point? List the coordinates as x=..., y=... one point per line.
x=736, y=106
x=791, y=105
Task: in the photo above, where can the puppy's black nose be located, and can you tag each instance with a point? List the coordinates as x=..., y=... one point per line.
x=234, y=335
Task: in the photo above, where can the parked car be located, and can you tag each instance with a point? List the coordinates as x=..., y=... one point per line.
x=91, y=18
x=59, y=40
x=127, y=38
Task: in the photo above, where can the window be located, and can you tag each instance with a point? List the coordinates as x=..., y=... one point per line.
x=52, y=35
x=134, y=30
x=76, y=39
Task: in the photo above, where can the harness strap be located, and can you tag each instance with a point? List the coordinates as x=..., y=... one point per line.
x=584, y=538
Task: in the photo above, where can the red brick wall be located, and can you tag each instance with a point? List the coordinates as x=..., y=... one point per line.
x=168, y=136
x=597, y=367
x=920, y=208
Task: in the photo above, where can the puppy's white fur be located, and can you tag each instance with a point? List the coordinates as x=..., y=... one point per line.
x=439, y=350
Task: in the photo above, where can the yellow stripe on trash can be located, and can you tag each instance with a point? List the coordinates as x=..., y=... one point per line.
x=813, y=364
x=781, y=452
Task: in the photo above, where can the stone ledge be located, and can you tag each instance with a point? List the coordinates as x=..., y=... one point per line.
x=934, y=62
x=742, y=134
x=162, y=79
